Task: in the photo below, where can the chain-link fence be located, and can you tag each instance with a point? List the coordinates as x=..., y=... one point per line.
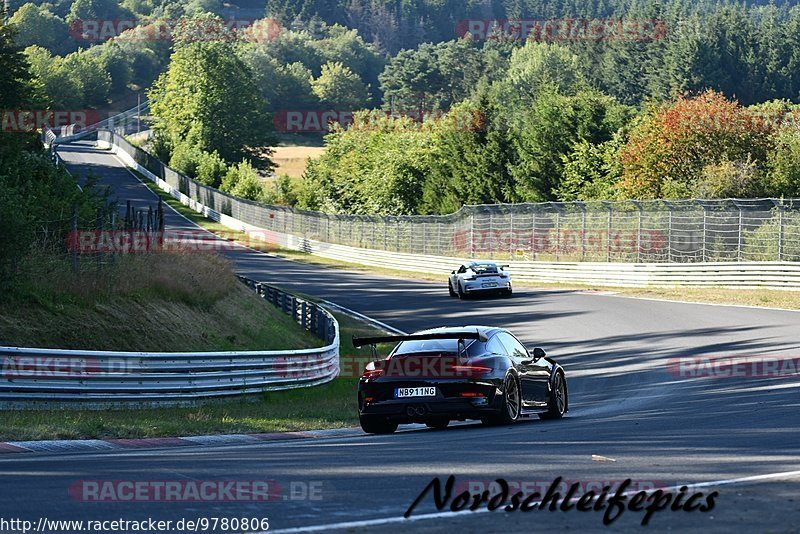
x=624, y=231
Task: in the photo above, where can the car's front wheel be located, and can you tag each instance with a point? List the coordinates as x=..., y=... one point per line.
x=376, y=425
x=461, y=293
x=511, y=407
x=450, y=289
x=557, y=404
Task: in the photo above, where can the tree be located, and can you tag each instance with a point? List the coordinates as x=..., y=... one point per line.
x=209, y=92
x=91, y=74
x=36, y=25
x=339, y=88
x=243, y=181
x=282, y=86
x=62, y=87
x=671, y=146
x=549, y=131
x=95, y=9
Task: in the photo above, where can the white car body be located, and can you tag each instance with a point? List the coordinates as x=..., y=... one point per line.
x=479, y=277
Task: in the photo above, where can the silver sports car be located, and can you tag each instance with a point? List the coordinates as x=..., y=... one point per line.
x=479, y=277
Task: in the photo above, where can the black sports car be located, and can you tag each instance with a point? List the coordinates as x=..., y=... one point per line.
x=471, y=372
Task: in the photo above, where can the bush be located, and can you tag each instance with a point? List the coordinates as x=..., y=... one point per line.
x=186, y=159
x=243, y=181
x=211, y=169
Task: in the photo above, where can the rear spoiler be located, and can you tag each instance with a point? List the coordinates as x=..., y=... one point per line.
x=359, y=342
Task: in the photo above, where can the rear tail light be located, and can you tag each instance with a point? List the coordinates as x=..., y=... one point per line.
x=471, y=394
x=470, y=370
x=372, y=373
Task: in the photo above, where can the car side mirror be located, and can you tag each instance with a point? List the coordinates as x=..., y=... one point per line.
x=503, y=267
x=453, y=272
x=538, y=354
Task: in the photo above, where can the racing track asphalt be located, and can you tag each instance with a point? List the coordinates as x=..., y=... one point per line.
x=625, y=405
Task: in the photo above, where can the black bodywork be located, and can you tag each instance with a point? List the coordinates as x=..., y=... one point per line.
x=471, y=374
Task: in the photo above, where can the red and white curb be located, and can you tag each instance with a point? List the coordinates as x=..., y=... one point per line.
x=95, y=445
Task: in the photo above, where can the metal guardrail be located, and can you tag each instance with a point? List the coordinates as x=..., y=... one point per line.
x=102, y=378
x=118, y=123
x=678, y=231
x=739, y=274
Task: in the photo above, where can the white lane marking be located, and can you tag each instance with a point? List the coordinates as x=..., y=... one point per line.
x=357, y=315
x=443, y=515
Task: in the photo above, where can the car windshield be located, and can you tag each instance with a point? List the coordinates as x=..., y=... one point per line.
x=485, y=268
x=443, y=346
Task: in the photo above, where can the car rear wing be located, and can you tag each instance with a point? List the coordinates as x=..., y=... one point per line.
x=359, y=342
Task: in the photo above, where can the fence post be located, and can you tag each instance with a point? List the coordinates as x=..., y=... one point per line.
x=533, y=233
x=385, y=232
x=73, y=226
x=397, y=236
x=781, y=208
x=638, y=231
x=705, y=230
x=99, y=225
x=740, y=231
x=472, y=235
x=511, y=232
x=610, y=209
x=558, y=234
x=582, y=206
x=669, y=231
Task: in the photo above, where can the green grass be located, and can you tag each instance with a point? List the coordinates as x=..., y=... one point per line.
x=142, y=302
x=331, y=405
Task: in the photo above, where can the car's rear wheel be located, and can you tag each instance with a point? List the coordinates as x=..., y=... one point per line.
x=438, y=424
x=511, y=406
x=450, y=289
x=376, y=425
x=557, y=404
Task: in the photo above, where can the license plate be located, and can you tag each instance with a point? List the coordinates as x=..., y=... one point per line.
x=489, y=284
x=400, y=393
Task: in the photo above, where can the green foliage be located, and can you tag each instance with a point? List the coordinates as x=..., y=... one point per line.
x=209, y=91
x=63, y=88
x=784, y=166
x=243, y=181
x=591, y=171
x=283, y=86
x=90, y=74
x=37, y=25
x=338, y=87
x=95, y=9
x=211, y=169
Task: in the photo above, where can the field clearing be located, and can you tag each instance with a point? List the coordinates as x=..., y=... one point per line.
x=292, y=159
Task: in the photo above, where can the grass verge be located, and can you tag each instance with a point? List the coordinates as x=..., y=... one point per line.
x=331, y=405
x=142, y=302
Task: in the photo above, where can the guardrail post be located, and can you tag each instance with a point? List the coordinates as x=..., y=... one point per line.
x=304, y=315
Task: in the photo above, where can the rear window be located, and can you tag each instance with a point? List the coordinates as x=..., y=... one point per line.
x=485, y=269
x=443, y=346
